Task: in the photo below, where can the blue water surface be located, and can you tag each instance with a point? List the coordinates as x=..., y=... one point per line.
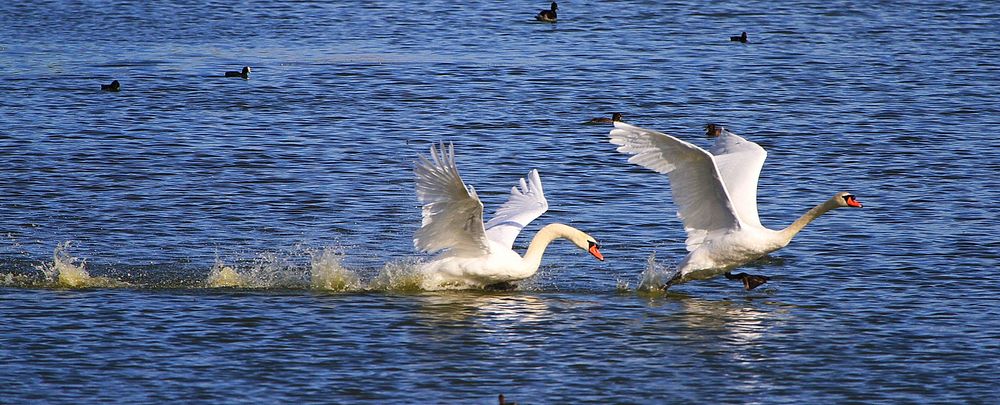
x=306, y=168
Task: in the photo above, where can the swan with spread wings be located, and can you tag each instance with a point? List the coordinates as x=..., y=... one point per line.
x=715, y=192
x=478, y=255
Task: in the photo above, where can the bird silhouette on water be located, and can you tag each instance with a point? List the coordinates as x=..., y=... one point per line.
x=548, y=15
x=114, y=86
x=245, y=73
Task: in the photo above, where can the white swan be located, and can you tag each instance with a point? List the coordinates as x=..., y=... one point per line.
x=479, y=255
x=716, y=197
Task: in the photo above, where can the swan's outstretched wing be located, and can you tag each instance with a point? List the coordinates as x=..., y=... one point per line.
x=525, y=204
x=452, y=214
x=739, y=162
x=701, y=198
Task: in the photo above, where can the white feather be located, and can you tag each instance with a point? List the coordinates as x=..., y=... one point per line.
x=452, y=212
x=525, y=204
x=695, y=182
x=739, y=161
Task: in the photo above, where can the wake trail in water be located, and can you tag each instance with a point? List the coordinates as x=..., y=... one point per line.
x=300, y=268
x=311, y=269
x=324, y=272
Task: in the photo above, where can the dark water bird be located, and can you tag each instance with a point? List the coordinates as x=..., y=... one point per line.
x=605, y=120
x=548, y=15
x=503, y=401
x=713, y=130
x=245, y=73
x=742, y=38
x=114, y=86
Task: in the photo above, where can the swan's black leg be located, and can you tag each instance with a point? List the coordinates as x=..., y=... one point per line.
x=673, y=280
x=750, y=281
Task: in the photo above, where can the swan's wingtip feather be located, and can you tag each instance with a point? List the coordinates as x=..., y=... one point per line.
x=536, y=180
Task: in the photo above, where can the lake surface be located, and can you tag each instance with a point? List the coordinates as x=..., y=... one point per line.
x=121, y=212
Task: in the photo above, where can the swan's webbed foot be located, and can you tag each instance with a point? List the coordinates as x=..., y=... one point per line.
x=501, y=286
x=750, y=281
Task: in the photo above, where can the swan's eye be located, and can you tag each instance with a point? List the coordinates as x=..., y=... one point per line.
x=849, y=198
x=592, y=244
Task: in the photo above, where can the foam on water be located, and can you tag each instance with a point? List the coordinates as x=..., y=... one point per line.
x=400, y=275
x=654, y=275
x=66, y=271
x=328, y=273
x=223, y=276
x=325, y=271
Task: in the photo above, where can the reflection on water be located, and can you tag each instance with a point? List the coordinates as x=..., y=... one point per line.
x=292, y=194
x=486, y=308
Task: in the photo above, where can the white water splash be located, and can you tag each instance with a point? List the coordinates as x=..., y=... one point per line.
x=267, y=270
x=401, y=275
x=327, y=273
x=223, y=276
x=622, y=286
x=70, y=272
x=655, y=275
x=286, y=270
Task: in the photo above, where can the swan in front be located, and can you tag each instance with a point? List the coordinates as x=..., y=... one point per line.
x=716, y=196
x=478, y=255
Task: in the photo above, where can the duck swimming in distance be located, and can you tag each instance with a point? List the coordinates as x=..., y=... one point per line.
x=245, y=73
x=715, y=192
x=478, y=255
x=713, y=130
x=548, y=15
x=741, y=38
x=114, y=86
x=605, y=120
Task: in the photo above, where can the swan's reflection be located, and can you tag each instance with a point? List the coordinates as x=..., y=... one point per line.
x=729, y=331
x=484, y=307
x=488, y=321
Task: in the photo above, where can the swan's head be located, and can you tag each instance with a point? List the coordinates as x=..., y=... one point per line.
x=712, y=130
x=588, y=243
x=593, y=248
x=845, y=199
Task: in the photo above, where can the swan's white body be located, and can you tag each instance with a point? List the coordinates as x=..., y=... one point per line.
x=716, y=196
x=477, y=254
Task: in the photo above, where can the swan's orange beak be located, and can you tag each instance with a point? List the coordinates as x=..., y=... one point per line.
x=852, y=201
x=597, y=253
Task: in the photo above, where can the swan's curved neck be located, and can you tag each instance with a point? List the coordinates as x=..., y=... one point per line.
x=793, y=229
x=533, y=256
